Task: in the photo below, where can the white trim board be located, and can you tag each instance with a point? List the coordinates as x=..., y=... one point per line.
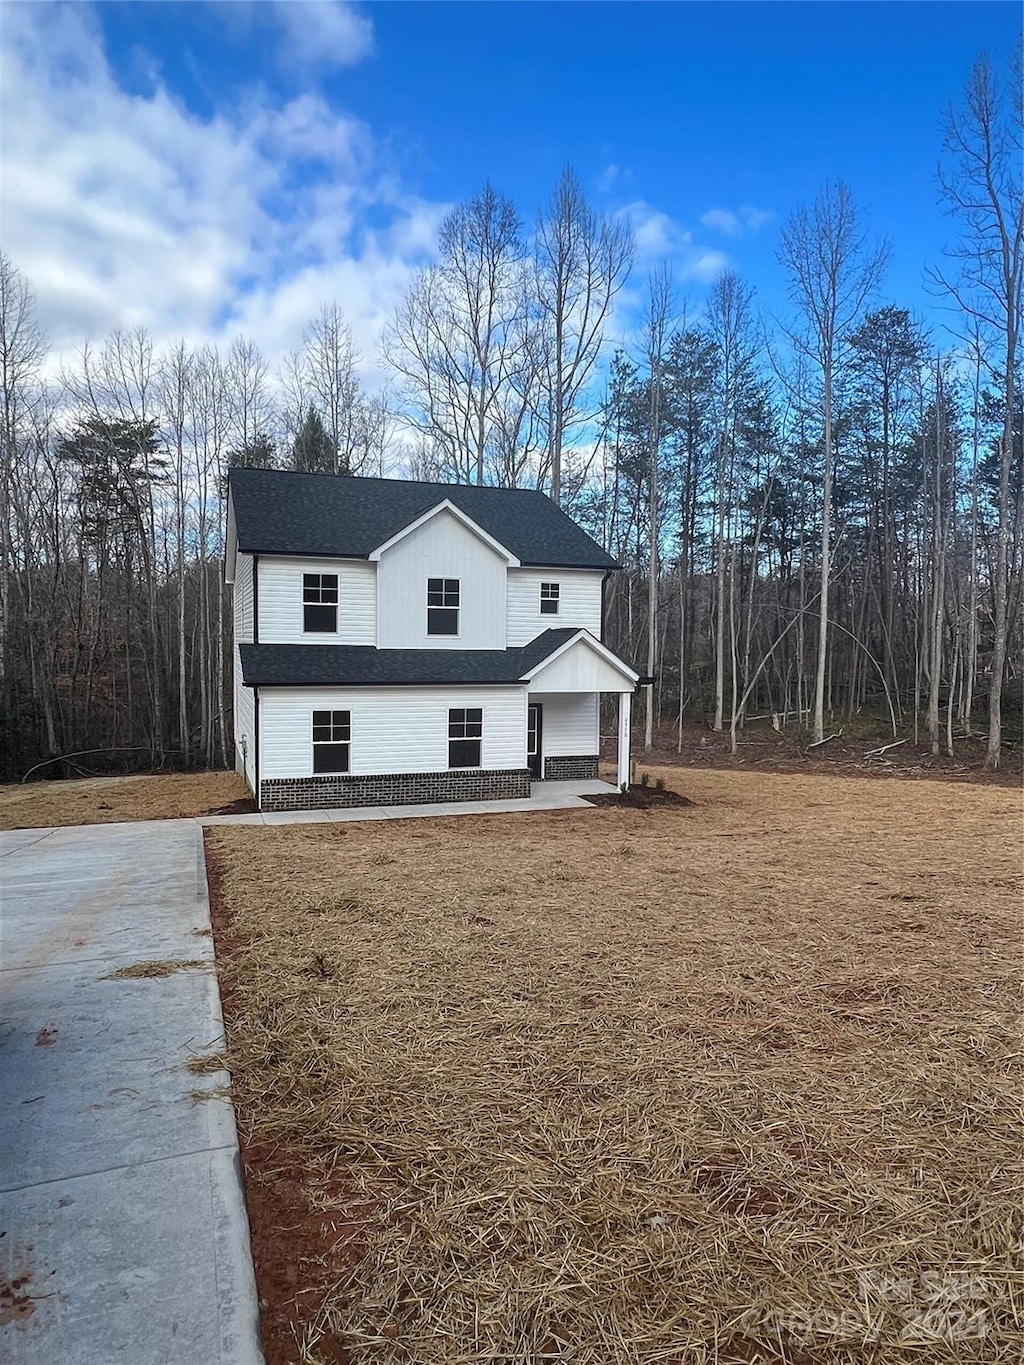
x=446, y=505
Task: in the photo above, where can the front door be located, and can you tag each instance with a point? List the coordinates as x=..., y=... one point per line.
x=534, y=730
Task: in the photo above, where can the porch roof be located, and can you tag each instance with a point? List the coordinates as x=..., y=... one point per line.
x=303, y=665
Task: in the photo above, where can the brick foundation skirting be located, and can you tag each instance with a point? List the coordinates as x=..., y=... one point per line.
x=578, y=768
x=394, y=789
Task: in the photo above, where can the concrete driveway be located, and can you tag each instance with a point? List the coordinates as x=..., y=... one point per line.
x=123, y=1233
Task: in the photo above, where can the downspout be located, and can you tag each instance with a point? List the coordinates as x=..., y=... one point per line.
x=255, y=599
x=604, y=586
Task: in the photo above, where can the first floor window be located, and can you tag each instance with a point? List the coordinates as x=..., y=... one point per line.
x=465, y=730
x=332, y=734
x=549, y=599
x=320, y=603
x=442, y=606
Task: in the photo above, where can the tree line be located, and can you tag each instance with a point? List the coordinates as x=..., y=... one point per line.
x=818, y=514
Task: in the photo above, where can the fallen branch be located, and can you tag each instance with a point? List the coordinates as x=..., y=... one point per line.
x=115, y=749
x=876, y=753
x=828, y=738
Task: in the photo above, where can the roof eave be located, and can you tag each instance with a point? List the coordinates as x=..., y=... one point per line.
x=610, y=567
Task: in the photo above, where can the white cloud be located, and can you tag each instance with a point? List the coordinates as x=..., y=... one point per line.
x=607, y=177
x=756, y=219
x=723, y=220
x=706, y=265
x=735, y=223
x=323, y=32
x=654, y=232
x=658, y=237
x=126, y=210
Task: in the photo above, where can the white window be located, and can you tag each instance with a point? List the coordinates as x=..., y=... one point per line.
x=549, y=599
x=320, y=603
x=332, y=735
x=465, y=730
x=442, y=606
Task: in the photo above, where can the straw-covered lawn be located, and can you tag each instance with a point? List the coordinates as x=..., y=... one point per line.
x=100, y=800
x=733, y=1083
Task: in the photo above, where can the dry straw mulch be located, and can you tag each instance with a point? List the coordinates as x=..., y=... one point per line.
x=732, y=1083
x=103, y=800
x=167, y=966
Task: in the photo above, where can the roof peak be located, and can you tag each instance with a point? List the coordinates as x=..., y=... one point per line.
x=247, y=470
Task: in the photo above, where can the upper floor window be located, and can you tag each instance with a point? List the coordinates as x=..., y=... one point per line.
x=549, y=599
x=465, y=730
x=442, y=606
x=320, y=603
x=332, y=734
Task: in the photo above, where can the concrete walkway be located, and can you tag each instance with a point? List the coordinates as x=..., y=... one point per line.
x=544, y=796
x=123, y=1232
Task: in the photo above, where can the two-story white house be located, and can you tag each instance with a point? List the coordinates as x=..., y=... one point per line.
x=401, y=642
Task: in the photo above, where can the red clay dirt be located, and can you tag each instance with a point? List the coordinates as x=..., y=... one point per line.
x=298, y=1251
x=15, y=1301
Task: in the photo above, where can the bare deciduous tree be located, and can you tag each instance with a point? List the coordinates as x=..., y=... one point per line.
x=832, y=272
x=21, y=349
x=981, y=185
x=730, y=324
x=252, y=407
x=582, y=260
x=332, y=386
x=657, y=325
x=459, y=337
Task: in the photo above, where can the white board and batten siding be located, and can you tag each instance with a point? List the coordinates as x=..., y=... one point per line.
x=580, y=668
x=280, y=601
x=442, y=547
x=579, y=602
x=570, y=723
x=394, y=730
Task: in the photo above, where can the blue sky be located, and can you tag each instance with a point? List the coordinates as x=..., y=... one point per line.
x=203, y=169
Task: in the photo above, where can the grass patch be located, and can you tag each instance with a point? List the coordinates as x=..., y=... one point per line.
x=737, y=1084
x=104, y=800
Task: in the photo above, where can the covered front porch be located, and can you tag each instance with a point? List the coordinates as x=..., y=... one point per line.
x=564, y=710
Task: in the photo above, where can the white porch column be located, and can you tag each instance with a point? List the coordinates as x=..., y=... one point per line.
x=625, y=709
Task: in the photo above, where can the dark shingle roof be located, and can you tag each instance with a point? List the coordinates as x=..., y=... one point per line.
x=281, y=512
x=365, y=666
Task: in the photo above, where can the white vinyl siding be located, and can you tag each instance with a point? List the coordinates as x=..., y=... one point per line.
x=579, y=602
x=394, y=730
x=244, y=706
x=280, y=601
x=243, y=598
x=245, y=729
x=441, y=548
x=570, y=723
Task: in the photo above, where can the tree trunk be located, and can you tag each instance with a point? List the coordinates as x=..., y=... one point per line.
x=826, y=530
